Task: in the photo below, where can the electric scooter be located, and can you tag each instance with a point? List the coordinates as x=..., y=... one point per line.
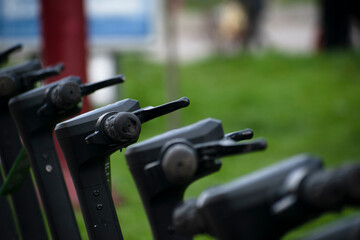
x=87, y=142
x=164, y=166
x=36, y=113
x=269, y=203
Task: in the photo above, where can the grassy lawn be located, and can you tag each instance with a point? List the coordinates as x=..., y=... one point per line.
x=297, y=103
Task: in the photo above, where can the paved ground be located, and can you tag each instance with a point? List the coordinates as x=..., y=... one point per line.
x=290, y=28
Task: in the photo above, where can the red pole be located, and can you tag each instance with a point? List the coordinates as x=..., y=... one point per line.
x=64, y=40
x=64, y=36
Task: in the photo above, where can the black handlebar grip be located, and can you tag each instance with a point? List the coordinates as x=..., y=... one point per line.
x=179, y=162
x=123, y=126
x=7, y=85
x=351, y=181
x=332, y=189
x=65, y=95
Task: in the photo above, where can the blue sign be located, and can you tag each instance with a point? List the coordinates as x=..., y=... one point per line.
x=19, y=21
x=111, y=23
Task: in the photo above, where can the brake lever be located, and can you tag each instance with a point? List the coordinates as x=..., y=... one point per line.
x=146, y=114
x=4, y=55
x=222, y=148
x=88, y=88
x=34, y=76
x=240, y=135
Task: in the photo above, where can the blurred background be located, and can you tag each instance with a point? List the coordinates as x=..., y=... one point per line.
x=288, y=69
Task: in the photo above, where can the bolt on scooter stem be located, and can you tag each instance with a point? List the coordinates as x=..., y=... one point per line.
x=332, y=189
x=165, y=165
x=36, y=113
x=28, y=213
x=4, y=55
x=87, y=142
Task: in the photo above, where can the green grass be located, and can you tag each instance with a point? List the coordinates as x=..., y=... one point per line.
x=297, y=103
x=201, y=4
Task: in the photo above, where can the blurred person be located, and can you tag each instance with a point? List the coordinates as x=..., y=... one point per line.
x=237, y=23
x=337, y=21
x=254, y=9
x=232, y=20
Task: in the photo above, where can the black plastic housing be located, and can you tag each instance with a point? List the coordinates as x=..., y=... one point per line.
x=7, y=227
x=29, y=216
x=36, y=131
x=87, y=164
x=25, y=202
x=255, y=207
